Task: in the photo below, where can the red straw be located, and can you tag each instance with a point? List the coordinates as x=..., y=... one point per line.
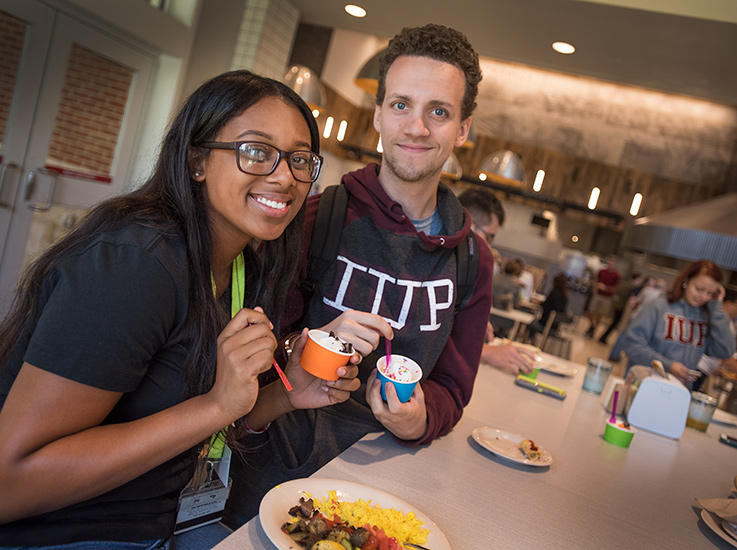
x=282, y=375
x=388, y=347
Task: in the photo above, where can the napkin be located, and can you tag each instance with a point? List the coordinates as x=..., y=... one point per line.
x=725, y=508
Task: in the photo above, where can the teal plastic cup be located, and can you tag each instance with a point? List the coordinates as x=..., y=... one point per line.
x=410, y=369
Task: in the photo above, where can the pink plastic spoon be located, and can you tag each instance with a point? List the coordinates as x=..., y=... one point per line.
x=613, y=419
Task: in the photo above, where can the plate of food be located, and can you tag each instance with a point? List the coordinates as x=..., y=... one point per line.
x=512, y=447
x=723, y=417
x=390, y=514
x=716, y=524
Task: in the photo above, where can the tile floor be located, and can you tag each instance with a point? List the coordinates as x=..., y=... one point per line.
x=583, y=347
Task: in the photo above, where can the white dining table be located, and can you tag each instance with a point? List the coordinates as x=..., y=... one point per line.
x=593, y=495
x=517, y=316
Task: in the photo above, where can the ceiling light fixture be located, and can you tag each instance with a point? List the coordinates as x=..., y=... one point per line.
x=538, y=181
x=564, y=48
x=506, y=164
x=368, y=77
x=594, y=198
x=355, y=11
x=636, y=202
x=328, y=127
x=341, y=130
x=306, y=83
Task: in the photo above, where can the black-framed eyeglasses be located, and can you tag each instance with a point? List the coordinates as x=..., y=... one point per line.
x=261, y=159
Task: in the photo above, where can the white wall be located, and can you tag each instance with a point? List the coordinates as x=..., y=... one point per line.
x=347, y=53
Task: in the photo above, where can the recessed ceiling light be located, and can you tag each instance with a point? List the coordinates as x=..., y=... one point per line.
x=563, y=47
x=355, y=11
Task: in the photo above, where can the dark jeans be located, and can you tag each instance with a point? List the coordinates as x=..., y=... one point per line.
x=615, y=321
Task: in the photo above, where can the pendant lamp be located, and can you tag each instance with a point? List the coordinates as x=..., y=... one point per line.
x=306, y=83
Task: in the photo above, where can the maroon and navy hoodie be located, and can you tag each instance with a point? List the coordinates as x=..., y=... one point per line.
x=385, y=266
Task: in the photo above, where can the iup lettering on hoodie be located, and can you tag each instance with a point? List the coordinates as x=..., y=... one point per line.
x=429, y=292
x=685, y=331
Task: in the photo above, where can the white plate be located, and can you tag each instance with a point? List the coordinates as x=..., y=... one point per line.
x=554, y=368
x=714, y=523
x=506, y=445
x=723, y=417
x=274, y=508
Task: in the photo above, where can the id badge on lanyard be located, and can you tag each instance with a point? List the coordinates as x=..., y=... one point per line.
x=202, y=501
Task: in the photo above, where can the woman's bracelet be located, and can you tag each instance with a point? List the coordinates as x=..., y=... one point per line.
x=245, y=426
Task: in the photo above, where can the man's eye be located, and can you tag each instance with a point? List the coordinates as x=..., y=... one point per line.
x=400, y=105
x=439, y=112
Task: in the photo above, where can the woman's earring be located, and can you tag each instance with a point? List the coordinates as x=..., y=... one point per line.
x=683, y=285
x=197, y=174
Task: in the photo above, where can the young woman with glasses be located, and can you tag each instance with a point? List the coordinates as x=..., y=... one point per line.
x=127, y=347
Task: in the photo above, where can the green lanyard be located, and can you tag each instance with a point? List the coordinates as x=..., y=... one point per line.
x=237, y=287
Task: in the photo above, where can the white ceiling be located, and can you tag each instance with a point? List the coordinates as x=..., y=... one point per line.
x=693, y=54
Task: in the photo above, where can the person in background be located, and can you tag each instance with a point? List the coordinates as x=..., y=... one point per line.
x=651, y=291
x=487, y=215
x=506, y=288
x=120, y=358
x=557, y=300
x=622, y=298
x=708, y=364
x=395, y=276
x=607, y=281
x=526, y=281
x=679, y=328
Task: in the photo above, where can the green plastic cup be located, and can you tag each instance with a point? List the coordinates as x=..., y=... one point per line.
x=533, y=374
x=617, y=435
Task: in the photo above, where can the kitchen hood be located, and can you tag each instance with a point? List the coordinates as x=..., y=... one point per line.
x=705, y=230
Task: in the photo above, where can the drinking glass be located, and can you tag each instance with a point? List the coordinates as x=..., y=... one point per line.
x=597, y=372
x=700, y=411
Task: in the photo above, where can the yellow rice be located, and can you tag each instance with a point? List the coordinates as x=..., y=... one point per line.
x=395, y=523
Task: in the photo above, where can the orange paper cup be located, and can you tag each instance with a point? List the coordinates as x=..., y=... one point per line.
x=319, y=359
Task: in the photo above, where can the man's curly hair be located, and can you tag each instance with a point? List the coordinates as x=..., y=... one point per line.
x=439, y=43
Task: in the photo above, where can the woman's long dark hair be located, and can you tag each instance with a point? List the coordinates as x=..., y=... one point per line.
x=171, y=201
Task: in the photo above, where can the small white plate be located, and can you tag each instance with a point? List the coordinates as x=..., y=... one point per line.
x=554, y=368
x=274, y=508
x=714, y=524
x=506, y=445
x=723, y=417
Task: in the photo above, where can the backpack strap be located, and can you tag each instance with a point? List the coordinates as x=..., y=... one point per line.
x=329, y=222
x=467, y=262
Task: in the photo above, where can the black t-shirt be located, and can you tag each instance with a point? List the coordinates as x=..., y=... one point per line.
x=111, y=315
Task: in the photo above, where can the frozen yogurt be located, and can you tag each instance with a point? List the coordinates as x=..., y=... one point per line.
x=399, y=370
x=334, y=343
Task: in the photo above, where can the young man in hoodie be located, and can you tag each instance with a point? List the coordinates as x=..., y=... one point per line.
x=395, y=276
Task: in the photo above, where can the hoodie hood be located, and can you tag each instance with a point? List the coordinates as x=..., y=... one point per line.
x=365, y=187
